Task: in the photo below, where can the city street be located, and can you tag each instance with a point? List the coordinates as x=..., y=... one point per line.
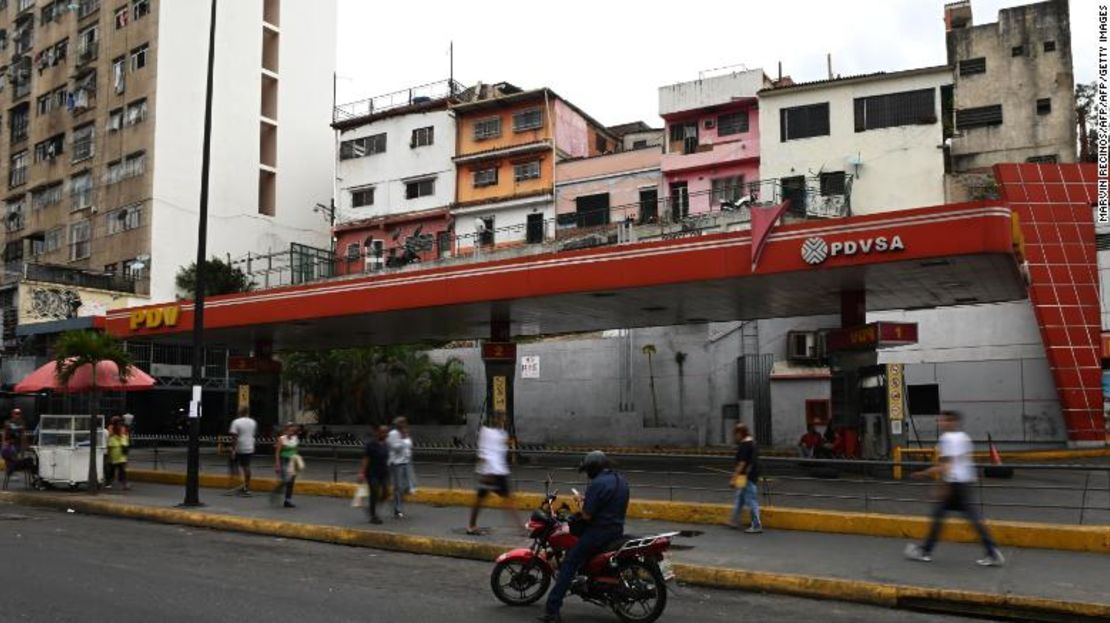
x=64, y=567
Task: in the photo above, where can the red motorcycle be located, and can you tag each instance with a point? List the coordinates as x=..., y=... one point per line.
x=629, y=577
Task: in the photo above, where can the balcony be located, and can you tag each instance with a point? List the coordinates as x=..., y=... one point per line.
x=710, y=155
x=87, y=51
x=86, y=8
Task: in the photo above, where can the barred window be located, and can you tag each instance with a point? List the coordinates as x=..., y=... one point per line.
x=980, y=117
x=973, y=66
x=833, y=183
x=124, y=219
x=895, y=109
x=485, y=177
x=359, y=147
x=487, y=128
x=423, y=136
x=526, y=170
x=804, y=121
x=362, y=197
x=528, y=120
x=733, y=123
x=420, y=188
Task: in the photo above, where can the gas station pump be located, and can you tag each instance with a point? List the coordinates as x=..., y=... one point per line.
x=869, y=398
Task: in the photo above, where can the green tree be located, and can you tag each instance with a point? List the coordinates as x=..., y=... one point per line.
x=219, y=278
x=1085, y=118
x=76, y=349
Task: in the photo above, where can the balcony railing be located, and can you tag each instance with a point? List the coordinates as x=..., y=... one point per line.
x=397, y=99
x=86, y=8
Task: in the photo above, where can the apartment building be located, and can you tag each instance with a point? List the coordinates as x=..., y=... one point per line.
x=508, y=142
x=1014, y=95
x=637, y=135
x=104, y=109
x=396, y=178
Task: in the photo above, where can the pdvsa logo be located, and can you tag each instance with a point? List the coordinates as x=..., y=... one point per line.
x=815, y=250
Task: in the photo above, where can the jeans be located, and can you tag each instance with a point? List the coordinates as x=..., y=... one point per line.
x=288, y=479
x=957, y=498
x=402, y=476
x=749, y=496
x=589, y=545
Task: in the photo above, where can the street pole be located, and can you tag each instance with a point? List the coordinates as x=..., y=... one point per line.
x=192, y=477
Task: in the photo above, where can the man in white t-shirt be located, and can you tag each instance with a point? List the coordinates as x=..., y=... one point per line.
x=243, y=430
x=492, y=469
x=958, y=474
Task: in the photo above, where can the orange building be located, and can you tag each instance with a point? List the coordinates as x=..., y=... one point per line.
x=507, y=143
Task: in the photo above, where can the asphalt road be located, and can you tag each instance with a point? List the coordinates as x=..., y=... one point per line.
x=66, y=567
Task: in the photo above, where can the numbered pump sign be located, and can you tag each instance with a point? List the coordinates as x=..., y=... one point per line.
x=530, y=367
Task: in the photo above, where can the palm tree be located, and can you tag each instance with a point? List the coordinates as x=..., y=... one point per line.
x=73, y=351
x=649, y=350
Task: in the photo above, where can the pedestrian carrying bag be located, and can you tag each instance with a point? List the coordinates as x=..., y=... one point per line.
x=362, y=494
x=739, y=481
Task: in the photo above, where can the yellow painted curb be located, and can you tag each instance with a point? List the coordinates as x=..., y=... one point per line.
x=1094, y=539
x=875, y=593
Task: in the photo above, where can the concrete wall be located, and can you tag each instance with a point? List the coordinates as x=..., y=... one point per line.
x=621, y=175
x=652, y=138
x=305, y=144
x=712, y=91
x=510, y=221
x=387, y=172
x=902, y=167
x=1017, y=82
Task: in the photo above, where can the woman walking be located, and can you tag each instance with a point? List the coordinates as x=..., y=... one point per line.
x=400, y=464
x=287, y=462
x=119, y=442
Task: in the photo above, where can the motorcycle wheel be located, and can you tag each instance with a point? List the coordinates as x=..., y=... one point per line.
x=519, y=583
x=641, y=595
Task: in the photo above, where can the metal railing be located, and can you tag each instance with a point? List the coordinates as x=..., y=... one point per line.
x=406, y=97
x=1068, y=494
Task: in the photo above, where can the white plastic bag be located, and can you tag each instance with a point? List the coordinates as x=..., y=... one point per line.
x=362, y=496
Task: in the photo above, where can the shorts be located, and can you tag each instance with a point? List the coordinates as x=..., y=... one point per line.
x=493, y=483
x=243, y=459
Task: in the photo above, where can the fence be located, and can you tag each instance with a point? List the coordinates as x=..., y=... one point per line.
x=1072, y=494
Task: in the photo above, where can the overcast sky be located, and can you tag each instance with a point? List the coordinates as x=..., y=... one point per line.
x=610, y=56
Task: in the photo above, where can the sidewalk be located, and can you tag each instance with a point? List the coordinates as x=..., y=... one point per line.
x=860, y=565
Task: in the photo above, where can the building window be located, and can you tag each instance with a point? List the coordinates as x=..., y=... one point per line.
x=980, y=117
x=680, y=201
x=86, y=44
x=83, y=96
x=1048, y=159
x=141, y=8
x=973, y=66
x=86, y=8
x=422, y=137
x=531, y=119
x=420, y=188
x=1044, y=106
x=119, y=75
x=639, y=144
x=138, y=57
x=1049, y=46
x=53, y=240
x=592, y=210
x=136, y=112
x=46, y=196
x=486, y=237
x=79, y=234
x=485, y=177
x=833, y=183
x=18, y=120
x=84, y=142
x=51, y=148
x=353, y=250
x=487, y=128
x=112, y=269
x=601, y=144
x=732, y=123
x=121, y=17
x=124, y=219
x=1017, y=50
x=896, y=109
x=51, y=11
x=81, y=189
x=52, y=101
x=362, y=197
x=134, y=269
x=131, y=166
x=523, y=171
x=804, y=121
x=359, y=147
x=729, y=189
x=687, y=134
x=115, y=120
x=14, y=220
x=17, y=175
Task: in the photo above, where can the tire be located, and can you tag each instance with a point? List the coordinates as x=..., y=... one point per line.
x=528, y=590
x=636, y=576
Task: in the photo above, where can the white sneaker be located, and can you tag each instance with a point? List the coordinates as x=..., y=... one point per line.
x=913, y=551
x=996, y=559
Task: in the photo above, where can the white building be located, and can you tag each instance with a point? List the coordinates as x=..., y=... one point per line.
x=271, y=145
x=876, y=138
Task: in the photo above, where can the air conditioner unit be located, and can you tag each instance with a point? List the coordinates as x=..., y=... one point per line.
x=802, y=346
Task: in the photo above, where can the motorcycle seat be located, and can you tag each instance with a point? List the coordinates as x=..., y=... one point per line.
x=619, y=542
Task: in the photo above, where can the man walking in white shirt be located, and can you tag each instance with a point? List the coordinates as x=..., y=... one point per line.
x=958, y=474
x=243, y=430
x=493, y=470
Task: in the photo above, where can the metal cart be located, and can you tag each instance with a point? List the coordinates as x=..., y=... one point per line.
x=61, y=451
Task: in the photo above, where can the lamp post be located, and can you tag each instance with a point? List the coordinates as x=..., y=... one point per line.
x=192, y=475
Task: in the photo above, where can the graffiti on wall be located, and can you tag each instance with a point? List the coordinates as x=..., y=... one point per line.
x=54, y=303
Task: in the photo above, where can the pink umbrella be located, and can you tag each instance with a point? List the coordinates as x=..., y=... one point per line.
x=107, y=379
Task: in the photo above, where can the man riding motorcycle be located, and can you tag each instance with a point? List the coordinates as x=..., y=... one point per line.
x=603, y=514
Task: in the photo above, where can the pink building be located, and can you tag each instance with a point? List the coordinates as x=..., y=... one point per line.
x=611, y=188
x=711, y=148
